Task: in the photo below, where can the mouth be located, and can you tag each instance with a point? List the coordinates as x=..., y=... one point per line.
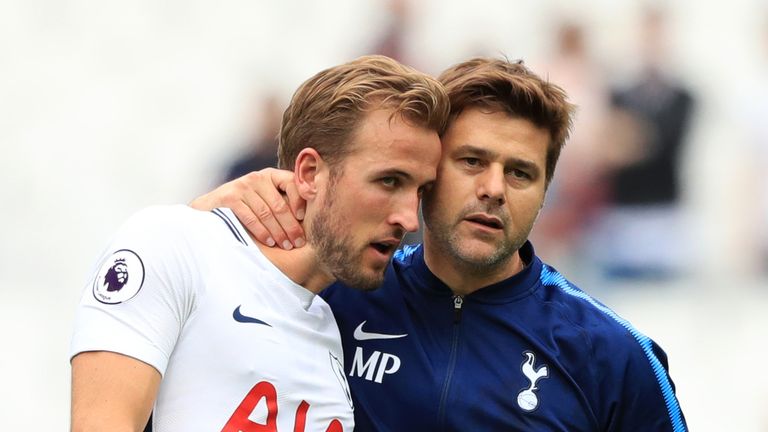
x=385, y=247
x=485, y=220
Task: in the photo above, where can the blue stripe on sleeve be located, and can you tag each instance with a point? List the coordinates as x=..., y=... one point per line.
x=551, y=277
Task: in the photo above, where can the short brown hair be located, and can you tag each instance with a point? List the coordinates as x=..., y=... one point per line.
x=327, y=108
x=501, y=85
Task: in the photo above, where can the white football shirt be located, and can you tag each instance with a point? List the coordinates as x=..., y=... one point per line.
x=240, y=346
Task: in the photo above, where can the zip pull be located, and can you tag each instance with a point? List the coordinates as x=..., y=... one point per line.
x=457, y=302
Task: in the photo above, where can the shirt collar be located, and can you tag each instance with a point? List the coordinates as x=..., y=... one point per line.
x=517, y=286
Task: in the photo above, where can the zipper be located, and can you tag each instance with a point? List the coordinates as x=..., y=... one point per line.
x=458, y=302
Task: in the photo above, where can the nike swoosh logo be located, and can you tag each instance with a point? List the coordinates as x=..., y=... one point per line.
x=362, y=335
x=246, y=319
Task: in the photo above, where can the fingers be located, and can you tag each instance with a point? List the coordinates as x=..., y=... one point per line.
x=280, y=213
x=296, y=203
x=255, y=216
x=237, y=196
x=261, y=208
x=285, y=203
x=266, y=202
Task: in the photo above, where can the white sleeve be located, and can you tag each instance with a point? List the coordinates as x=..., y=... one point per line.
x=143, y=289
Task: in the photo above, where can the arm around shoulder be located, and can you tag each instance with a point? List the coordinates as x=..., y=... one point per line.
x=266, y=202
x=111, y=391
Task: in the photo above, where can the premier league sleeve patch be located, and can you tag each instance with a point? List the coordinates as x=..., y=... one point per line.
x=120, y=277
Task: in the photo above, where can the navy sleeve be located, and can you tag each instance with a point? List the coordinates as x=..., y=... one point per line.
x=647, y=399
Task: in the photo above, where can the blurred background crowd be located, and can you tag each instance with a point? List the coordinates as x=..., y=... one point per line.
x=659, y=206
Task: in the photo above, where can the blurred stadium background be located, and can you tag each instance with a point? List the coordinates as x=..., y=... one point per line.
x=107, y=107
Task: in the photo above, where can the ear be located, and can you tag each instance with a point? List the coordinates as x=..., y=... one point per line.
x=310, y=173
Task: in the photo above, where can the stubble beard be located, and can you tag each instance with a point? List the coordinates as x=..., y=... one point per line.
x=446, y=239
x=336, y=251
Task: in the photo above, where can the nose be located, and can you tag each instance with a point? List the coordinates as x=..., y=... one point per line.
x=491, y=185
x=406, y=213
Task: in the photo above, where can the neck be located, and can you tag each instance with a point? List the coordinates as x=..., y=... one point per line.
x=300, y=265
x=464, y=278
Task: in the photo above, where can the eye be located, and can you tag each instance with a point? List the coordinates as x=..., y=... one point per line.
x=519, y=174
x=389, y=182
x=472, y=162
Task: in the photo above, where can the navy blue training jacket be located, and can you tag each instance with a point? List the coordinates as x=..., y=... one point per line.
x=530, y=353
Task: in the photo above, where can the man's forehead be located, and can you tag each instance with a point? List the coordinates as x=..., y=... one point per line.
x=406, y=163
x=474, y=127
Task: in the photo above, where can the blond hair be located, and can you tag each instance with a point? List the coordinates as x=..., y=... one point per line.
x=327, y=108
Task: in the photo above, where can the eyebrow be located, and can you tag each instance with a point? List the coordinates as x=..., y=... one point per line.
x=476, y=151
x=394, y=172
